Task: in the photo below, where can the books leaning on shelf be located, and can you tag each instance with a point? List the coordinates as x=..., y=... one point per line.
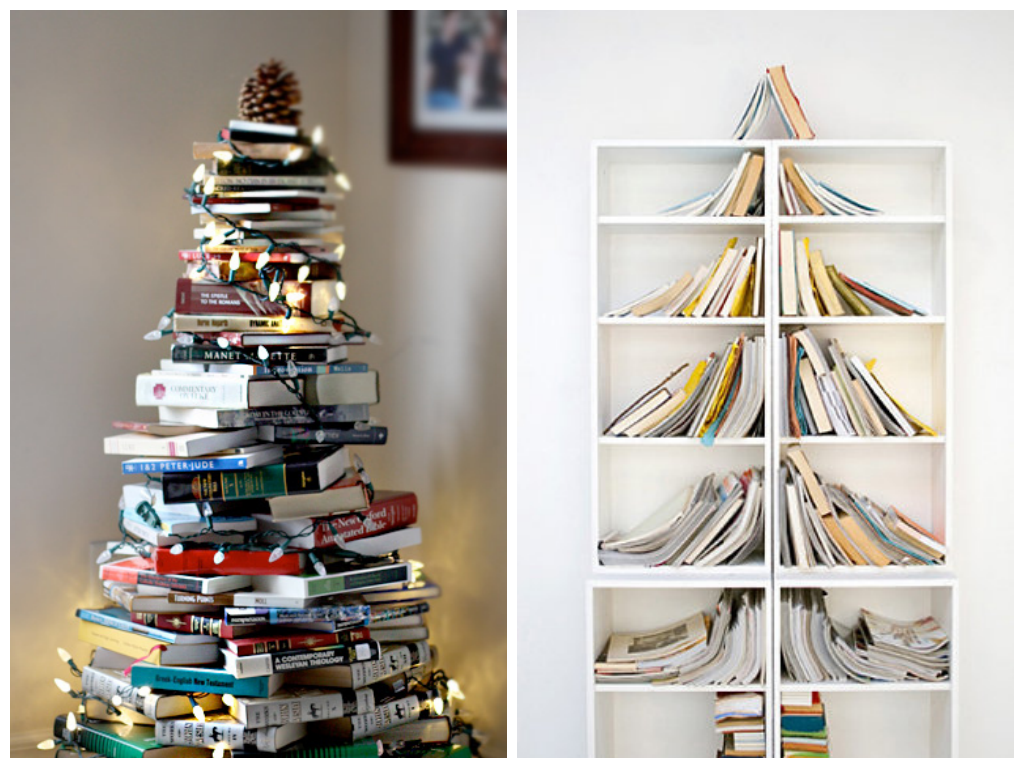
x=739, y=717
x=723, y=397
x=802, y=194
x=741, y=194
x=802, y=724
x=844, y=397
x=817, y=649
x=810, y=288
x=729, y=287
x=829, y=525
x=774, y=85
x=724, y=648
x=718, y=523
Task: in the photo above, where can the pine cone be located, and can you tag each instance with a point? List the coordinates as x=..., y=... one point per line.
x=268, y=96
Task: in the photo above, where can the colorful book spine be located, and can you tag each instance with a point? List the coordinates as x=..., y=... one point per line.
x=369, y=435
x=248, y=417
x=313, y=356
x=209, y=733
x=198, y=297
x=203, y=680
x=232, y=562
x=258, y=644
x=156, y=466
x=334, y=584
x=290, y=661
x=355, y=615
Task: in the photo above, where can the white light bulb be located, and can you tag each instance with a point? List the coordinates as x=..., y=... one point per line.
x=320, y=568
x=145, y=690
x=334, y=305
x=341, y=290
x=223, y=155
x=277, y=554
x=223, y=343
x=208, y=187
x=71, y=723
x=198, y=712
x=199, y=172
x=218, y=557
x=263, y=260
x=303, y=273
x=64, y=655
x=374, y=338
x=318, y=135
x=454, y=692
x=438, y=705
x=343, y=182
x=116, y=700
x=63, y=685
x=153, y=336
x=104, y=557
x=207, y=509
x=295, y=154
x=218, y=751
x=293, y=369
x=275, y=291
x=177, y=549
x=164, y=323
x=210, y=230
x=48, y=744
x=340, y=250
x=235, y=262
x=320, y=435
x=228, y=699
x=262, y=353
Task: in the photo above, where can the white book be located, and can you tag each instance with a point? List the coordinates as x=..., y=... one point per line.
x=261, y=664
x=725, y=197
x=717, y=279
x=180, y=446
x=758, y=277
x=209, y=390
x=692, y=291
x=297, y=704
x=808, y=305
x=221, y=728
x=722, y=307
x=787, y=272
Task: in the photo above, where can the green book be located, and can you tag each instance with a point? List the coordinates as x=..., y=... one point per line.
x=847, y=295
x=120, y=740
x=321, y=748
x=451, y=750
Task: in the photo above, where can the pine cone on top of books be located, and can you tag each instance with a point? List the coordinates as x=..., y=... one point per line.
x=269, y=94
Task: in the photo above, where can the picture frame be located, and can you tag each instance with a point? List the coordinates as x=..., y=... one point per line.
x=448, y=88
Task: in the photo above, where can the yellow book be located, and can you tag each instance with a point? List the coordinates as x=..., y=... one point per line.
x=823, y=288
x=718, y=401
x=694, y=380
x=741, y=297
x=138, y=646
x=696, y=299
x=916, y=423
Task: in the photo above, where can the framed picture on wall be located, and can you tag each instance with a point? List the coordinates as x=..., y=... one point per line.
x=448, y=87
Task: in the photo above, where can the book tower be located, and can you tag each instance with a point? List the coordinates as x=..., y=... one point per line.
x=257, y=601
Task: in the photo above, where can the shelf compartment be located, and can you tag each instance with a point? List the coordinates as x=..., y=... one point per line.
x=632, y=261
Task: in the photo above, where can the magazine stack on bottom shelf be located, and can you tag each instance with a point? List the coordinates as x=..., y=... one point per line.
x=256, y=600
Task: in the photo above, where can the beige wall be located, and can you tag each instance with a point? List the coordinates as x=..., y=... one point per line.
x=104, y=107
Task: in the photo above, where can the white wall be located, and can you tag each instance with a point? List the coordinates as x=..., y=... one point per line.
x=104, y=109
x=585, y=76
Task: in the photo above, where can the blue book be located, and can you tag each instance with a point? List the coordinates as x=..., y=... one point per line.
x=311, y=368
x=119, y=618
x=803, y=723
x=242, y=458
x=204, y=680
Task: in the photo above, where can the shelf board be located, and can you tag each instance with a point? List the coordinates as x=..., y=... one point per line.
x=890, y=440
x=884, y=223
x=916, y=686
x=726, y=576
x=865, y=576
x=650, y=688
x=680, y=322
x=873, y=321
x=647, y=225
x=693, y=442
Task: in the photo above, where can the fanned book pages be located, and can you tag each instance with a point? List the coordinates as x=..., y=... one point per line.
x=725, y=647
x=741, y=193
x=718, y=523
x=729, y=286
x=722, y=397
x=826, y=525
x=815, y=648
x=739, y=718
x=774, y=88
x=803, y=194
x=837, y=394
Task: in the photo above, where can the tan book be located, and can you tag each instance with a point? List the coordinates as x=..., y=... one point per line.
x=852, y=408
x=663, y=299
x=814, y=401
x=826, y=292
x=747, y=187
x=787, y=278
x=789, y=103
x=658, y=415
x=808, y=304
x=868, y=406
x=809, y=200
x=814, y=490
x=862, y=540
x=838, y=535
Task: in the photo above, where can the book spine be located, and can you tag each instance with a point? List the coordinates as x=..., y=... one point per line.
x=391, y=662
x=379, y=518
x=386, y=716
x=149, y=466
x=99, y=742
x=250, y=324
x=252, y=646
x=378, y=615
x=193, y=624
x=357, y=581
x=356, y=436
x=328, y=414
x=357, y=615
x=171, y=581
x=305, y=182
x=291, y=661
x=99, y=683
x=189, y=391
x=258, y=483
x=304, y=709
x=192, y=733
x=306, y=369
x=196, y=297
x=184, y=353
x=197, y=680
x=125, y=625
x=234, y=562
x=277, y=257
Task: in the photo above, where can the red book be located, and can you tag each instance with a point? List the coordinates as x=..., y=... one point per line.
x=277, y=257
x=198, y=297
x=237, y=561
x=192, y=623
x=125, y=571
x=390, y=510
x=292, y=641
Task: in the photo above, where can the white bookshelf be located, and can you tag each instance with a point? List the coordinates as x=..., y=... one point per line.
x=906, y=251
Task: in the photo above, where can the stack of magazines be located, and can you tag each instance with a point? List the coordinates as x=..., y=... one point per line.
x=725, y=648
x=815, y=648
x=739, y=717
x=720, y=523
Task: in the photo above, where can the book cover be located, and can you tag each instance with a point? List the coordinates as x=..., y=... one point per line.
x=203, y=680
x=314, y=585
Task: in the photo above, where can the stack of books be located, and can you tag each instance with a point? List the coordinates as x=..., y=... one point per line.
x=739, y=717
x=825, y=524
x=815, y=649
x=774, y=85
x=803, y=728
x=740, y=194
x=257, y=599
x=810, y=288
x=723, y=648
x=723, y=397
x=730, y=287
x=845, y=398
x=802, y=194
x=718, y=523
